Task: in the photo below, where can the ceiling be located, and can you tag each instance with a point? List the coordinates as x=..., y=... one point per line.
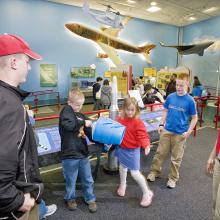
x=174, y=12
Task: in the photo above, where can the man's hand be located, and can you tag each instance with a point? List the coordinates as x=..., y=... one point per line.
x=210, y=166
x=28, y=203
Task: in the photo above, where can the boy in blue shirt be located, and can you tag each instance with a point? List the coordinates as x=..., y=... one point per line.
x=174, y=129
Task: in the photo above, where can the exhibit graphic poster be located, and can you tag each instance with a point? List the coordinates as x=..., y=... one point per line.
x=48, y=75
x=122, y=82
x=151, y=72
x=82, y=72
x=163, y=78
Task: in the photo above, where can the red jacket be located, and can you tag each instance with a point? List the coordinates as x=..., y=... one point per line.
x=135, y=133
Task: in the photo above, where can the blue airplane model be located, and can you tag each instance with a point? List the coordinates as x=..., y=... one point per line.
x=109, y=17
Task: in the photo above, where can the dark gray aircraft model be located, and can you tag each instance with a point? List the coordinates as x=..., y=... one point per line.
x=190, y=49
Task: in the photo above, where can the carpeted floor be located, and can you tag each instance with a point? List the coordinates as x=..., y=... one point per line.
x=190, y=200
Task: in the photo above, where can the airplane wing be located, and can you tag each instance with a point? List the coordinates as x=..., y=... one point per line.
x=178, y=47
x=112, y=53
x=115, y=31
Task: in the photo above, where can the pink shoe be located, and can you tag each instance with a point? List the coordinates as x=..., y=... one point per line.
x=147, y=199
x=121, y=190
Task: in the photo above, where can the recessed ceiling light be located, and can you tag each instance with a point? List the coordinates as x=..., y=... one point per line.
x=153, y=3
x=191, y=18
x=208, y=10
x=153, y=9
x=131, y=1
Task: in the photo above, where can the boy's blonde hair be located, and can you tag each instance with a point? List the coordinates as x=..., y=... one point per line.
x=127, y=103
x=75, y=94
x=183, y=76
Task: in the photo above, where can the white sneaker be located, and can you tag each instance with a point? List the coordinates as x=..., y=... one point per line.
x=51, y=209
x=152, y=177
x=171, y=184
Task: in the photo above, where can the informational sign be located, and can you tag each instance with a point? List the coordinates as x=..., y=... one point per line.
x=122, y=82
x=136, y=94
x=48, y=75
x=49, y=140
x=151, y=72
x=151, y=119
x=82, y=72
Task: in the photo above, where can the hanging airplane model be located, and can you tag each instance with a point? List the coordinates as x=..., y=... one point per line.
x=190, y=49
x=109, y=17
x=108, y=41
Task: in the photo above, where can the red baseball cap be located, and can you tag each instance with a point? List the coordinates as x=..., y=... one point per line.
x=12, y=44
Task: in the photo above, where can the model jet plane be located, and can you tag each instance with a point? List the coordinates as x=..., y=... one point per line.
x=110, y=18
x=107, y=40
x=190, y=49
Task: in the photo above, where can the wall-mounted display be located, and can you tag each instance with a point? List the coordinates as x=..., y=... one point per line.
x=48, y=75
x=82, y=72
x=152, y=72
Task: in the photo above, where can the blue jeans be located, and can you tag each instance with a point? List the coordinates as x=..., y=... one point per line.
x=42, y=209
x=71, y=169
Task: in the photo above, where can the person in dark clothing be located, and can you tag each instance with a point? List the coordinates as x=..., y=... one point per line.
x=73, y=129
x=20, y=183
x=151, y=95
x=171, y=86
x=96, y=93
x=106, y=94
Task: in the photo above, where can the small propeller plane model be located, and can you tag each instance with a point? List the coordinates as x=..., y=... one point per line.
x=190, y=49
x=109, y=17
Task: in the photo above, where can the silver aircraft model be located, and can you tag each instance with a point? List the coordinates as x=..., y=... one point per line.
x=109, y=17
x=190, y=49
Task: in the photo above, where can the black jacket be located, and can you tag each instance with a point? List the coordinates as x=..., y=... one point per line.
x=19, y=171
x=95, y=88
x=171, y=87
x=73, y=146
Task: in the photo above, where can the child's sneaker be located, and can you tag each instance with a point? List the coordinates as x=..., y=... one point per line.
x=152, y=177
x=147, y=199
x=92, y=207
x=121, y=190
x=171, y=184
x=51, y=209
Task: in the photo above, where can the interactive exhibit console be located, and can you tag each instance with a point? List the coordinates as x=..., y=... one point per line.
x=49, y=139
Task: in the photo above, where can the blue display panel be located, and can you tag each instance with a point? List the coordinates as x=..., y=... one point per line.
x=49, y=140
x=151, y=119
x=49, y=137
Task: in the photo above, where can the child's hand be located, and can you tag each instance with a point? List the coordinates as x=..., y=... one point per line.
x=147, y=150
x=88, y=123
x=210, y=166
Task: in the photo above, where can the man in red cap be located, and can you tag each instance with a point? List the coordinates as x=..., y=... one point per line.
x=213, y=167
x=20, y=183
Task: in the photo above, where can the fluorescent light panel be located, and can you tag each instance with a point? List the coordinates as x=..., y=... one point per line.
x=131, y=1
x=209, y=10
x=153, y=9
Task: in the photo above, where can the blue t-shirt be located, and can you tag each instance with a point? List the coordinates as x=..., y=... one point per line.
x=197, y=91
x=180, y=109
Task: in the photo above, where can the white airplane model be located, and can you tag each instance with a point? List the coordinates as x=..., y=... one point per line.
x=109, y=18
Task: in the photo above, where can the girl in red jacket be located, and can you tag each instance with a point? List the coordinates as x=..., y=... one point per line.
x=128, y=152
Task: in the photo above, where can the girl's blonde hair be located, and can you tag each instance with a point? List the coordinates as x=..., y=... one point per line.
x=127, y=103
x=75, y=94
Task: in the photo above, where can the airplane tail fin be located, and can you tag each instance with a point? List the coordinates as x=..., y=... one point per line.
x=146, y=51
x=86, y=6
